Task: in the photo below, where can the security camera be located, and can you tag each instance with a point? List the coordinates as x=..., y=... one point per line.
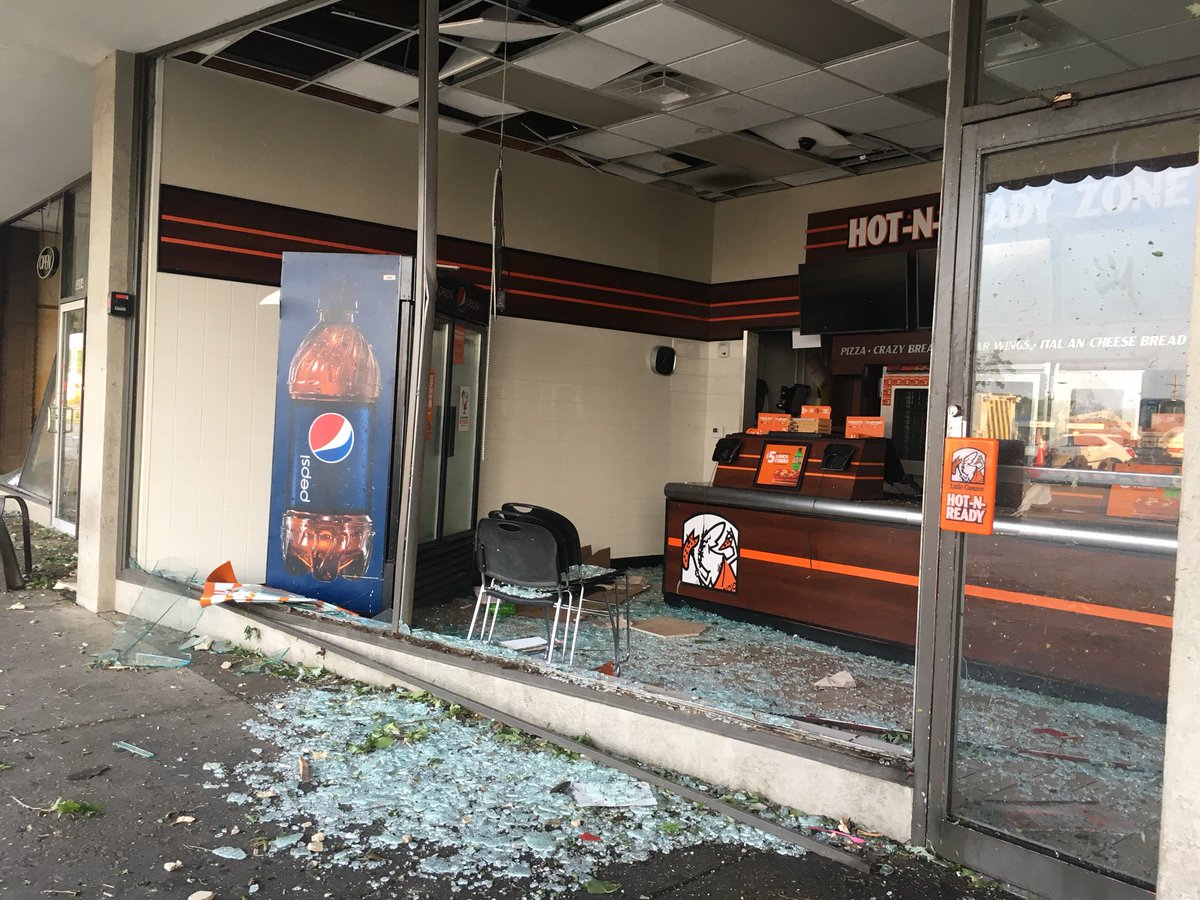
x=807, y=143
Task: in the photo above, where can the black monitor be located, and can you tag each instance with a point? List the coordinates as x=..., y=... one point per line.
x=861, y=294
x=926, y=276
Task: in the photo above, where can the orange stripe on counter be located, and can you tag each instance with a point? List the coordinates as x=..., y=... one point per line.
x=863, y=572
x=739, y=468
x=1075, y=606
x=1098, y=610
x=782, y=559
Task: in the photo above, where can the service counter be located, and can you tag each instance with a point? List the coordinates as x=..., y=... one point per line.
x=1083, y=604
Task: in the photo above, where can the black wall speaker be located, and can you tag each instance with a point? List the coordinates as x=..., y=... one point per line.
x=662, y=361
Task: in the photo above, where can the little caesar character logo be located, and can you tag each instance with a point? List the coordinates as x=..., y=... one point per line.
x=710, y=553
x=970, y=466
x=969, y=485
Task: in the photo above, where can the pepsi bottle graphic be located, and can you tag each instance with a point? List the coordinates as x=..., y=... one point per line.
x=333, y=384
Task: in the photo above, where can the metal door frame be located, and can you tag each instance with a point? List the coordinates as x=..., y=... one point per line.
x=951, y=383
x=65, y=308
x=447, y=404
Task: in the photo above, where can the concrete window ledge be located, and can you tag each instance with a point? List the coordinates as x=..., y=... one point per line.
x=821, y=776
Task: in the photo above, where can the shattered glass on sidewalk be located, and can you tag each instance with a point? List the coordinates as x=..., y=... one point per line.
x=479, y=804
x=146, y=640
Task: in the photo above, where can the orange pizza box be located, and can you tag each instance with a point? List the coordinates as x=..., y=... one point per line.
x=774, y=421
x=816, y=412
x=864, y=426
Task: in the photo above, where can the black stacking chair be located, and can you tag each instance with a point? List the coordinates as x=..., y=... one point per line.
x=521, y=562
x=576, y=578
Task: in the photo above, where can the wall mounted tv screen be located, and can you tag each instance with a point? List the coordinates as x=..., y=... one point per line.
x=926, y=278
x=869, y=293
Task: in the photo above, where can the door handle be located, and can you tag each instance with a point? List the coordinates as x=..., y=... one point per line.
x=69, y=420
x=956, y=423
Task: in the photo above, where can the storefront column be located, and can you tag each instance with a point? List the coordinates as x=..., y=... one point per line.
x=112, y=254
x=1178, y=863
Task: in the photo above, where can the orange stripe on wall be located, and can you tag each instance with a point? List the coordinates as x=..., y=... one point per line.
x=243, y=250
x=273, y=234
x=826, y=244
x=318, y=242
x=827, y=228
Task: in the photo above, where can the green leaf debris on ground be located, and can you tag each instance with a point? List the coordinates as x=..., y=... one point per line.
x=596, y=886
x=75, y=809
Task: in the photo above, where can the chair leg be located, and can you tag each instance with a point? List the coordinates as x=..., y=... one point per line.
x=495, y=610
x=475, y=615
x=575, y=632
x=554, y=630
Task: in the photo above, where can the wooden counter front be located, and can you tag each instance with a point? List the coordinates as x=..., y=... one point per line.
x=1105, y=623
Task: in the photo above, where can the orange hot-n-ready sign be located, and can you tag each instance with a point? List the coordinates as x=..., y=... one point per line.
x=969, y=484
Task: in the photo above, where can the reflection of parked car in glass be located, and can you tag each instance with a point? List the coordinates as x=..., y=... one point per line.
x=1097, y=448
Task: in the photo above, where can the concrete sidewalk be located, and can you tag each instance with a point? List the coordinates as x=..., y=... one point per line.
x=59, y=719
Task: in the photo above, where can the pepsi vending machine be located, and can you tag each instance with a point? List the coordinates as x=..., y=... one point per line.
x=339, y=355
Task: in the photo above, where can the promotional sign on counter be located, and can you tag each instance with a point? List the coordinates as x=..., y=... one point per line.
x=969, y=484
x=334, y=408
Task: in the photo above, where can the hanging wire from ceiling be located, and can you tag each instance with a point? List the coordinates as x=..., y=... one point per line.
x=496, y=296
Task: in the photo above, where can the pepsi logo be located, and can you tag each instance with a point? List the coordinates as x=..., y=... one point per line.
x=331, y=437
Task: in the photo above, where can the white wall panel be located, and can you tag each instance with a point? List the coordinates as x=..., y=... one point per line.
x=209, y=426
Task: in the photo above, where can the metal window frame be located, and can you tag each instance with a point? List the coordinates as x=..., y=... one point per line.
x=1161, y=93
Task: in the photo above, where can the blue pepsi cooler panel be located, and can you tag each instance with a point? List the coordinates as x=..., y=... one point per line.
x=339, y=328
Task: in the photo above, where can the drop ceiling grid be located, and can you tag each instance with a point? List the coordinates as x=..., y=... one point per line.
x=739, y=64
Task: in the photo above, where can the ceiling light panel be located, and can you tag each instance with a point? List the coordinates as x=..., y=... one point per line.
x=790, y=132
x=662, y=131
x=1104, y=19
x=489, y=29
x=657, y=162
x=633, y=174
x=1159, y=45
x=742, y=65
x=580, y=60
x=475, y=104
x=717, y=178
x=1052, y=70
x=810, y=92
x=663, y=34
x=920, y=18
x=801, y=178
x=896, y=68
x=918, y=135
x=751, y=155
x=607, y=145
x=374, y=82
x=408, y=114
x=732, y=112
x=820, y=30
x=870, y=116
x=533, y=91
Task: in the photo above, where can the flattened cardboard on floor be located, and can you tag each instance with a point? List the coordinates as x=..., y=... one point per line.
x=668, y=627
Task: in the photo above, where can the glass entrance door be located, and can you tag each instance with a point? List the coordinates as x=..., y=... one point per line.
x=451, y=472
x=69, y=417
x=1074, y=267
